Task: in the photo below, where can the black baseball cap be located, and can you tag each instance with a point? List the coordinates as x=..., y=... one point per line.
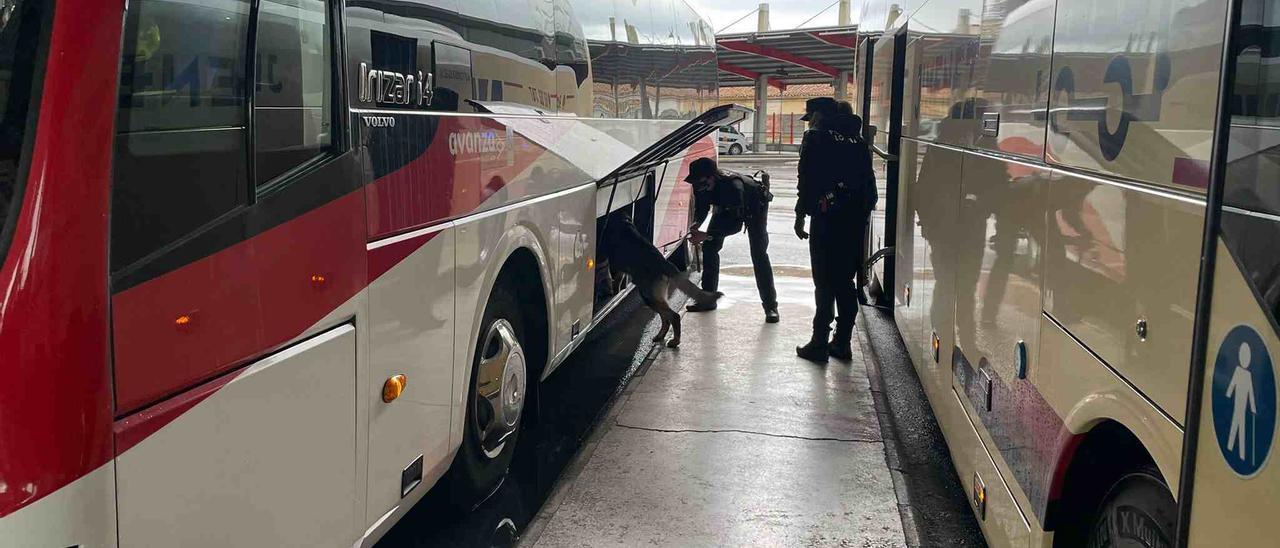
x=700, y=168
x=826, y=105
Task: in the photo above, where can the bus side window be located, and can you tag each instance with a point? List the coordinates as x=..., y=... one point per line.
x=452, y=68
x=1251, y=195
x=180, y=141
x=293, y=95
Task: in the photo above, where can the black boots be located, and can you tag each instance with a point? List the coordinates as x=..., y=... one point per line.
x=840, y=350
x=818, y=348
x=707, y=304
x=815, y=350
x=841, y=347
x=771, y=315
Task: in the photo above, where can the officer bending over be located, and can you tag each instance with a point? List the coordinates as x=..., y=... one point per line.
x=739, y=200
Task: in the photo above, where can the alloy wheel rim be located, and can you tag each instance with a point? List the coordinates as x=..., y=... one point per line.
x=500, y=388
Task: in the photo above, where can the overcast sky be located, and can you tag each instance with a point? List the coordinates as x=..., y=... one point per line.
x=783, y=14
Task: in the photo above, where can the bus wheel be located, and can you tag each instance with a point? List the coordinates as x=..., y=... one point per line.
x=1137, y=511
x=498, y=392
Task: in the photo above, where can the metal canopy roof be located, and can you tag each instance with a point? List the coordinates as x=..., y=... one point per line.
x=799, y=56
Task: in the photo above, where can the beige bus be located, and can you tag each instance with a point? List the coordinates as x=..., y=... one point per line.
x=1052, y=171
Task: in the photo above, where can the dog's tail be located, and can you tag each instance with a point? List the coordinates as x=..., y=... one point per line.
x=694, y=292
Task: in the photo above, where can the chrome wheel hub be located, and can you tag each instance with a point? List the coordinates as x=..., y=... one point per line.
x=500, y=387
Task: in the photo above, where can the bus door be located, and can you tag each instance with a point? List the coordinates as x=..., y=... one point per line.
x=862, y=87
x=884, y=118
x=1230, y=493
x=237, y=248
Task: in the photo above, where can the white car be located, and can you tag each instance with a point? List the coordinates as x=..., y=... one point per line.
x=731, y=141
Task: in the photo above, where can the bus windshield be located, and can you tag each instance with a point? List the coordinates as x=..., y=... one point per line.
x=20, y=25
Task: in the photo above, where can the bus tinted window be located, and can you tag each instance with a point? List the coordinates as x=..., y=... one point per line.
x=293, y=95
x=183, y=65
x=1251, y=218
x=1254, y=161
x=180, y=147
x=19, y=26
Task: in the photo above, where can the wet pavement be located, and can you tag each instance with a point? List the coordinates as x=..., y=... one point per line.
x=732, y=440
x=729, y=440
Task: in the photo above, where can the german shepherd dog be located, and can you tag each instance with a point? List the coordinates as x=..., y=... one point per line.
x=630, y=252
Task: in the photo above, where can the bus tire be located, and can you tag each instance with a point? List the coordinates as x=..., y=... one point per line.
x=497, y=394
x=1137, y=510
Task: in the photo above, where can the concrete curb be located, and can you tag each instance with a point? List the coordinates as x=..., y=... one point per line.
x=934, y=503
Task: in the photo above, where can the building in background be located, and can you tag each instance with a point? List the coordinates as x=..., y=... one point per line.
x=783, y=128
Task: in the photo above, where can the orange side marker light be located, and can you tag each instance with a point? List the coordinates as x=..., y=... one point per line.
x=184, y=323
x=393, y=388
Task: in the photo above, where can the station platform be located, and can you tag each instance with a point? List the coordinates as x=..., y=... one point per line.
x=730, y=440
x=733, y=440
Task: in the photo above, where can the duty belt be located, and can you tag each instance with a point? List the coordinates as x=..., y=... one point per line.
x=833, y=199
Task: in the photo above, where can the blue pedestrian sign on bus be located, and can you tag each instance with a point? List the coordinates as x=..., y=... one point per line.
x=1244, y=400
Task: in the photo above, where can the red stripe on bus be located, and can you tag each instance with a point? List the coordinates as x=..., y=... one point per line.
x=381, y=259
x=1191, y=172
x=55, y=384
x=236, y=305
x=225, y=310
x=458, y=173
x=131, y=430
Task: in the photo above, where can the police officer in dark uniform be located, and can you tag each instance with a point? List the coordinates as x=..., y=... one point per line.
x=850, y=125
x=836, y=193
x=739, y=201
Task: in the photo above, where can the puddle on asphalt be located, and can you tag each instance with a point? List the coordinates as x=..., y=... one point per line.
x=570, y=403
x=793, y=271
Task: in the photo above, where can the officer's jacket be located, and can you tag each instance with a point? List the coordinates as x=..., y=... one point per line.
x=827, y=159
x=733, y=204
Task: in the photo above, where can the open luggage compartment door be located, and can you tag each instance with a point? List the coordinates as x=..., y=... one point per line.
x=594, y=151
x=675, y=142
x=630, y=175
x=634, y=186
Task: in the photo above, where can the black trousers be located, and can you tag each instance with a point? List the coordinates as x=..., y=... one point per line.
x=835, y=255
x=758, y=238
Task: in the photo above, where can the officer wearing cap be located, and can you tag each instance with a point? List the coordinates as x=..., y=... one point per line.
x=739, y=201
x=850, y=125
x=836, y=193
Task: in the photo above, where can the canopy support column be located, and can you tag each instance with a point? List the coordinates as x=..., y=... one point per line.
x=841, y=85
x=762, y=114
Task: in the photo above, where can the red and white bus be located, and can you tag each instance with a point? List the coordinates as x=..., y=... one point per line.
x=274, y=268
